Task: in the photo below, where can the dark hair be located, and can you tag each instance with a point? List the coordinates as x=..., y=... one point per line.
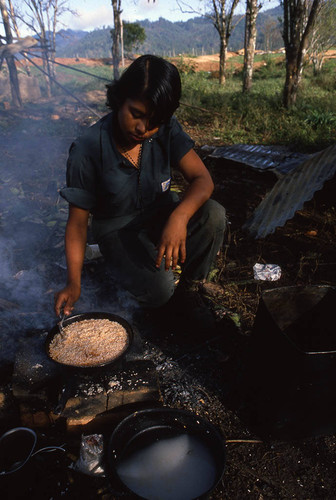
x=152, y=79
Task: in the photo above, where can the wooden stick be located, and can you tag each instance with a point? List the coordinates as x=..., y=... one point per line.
x=201, y=109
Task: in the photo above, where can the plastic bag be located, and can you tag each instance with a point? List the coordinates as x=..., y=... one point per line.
x=266, y=272
x=90, y=459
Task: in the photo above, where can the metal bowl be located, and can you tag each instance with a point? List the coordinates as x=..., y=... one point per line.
x=91, y=315
x=166, y=453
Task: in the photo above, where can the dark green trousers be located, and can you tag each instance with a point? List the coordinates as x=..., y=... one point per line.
x=131, y=252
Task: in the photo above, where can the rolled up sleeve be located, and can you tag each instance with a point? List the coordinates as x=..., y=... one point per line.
x=79, y=197
x=81, y=179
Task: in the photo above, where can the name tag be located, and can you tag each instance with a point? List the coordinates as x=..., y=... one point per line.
x=165, y=185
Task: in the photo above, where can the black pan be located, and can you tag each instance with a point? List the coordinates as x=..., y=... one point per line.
x=148, y=427
x=91, y=315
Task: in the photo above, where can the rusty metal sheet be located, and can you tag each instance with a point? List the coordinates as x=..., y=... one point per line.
x=291, y=192
x=278, y=159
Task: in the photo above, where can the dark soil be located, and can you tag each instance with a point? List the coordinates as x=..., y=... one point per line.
x=273, y=405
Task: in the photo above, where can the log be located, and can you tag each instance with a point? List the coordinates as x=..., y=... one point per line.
x=10, y=49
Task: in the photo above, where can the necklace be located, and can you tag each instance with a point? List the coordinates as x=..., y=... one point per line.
x=136, y=163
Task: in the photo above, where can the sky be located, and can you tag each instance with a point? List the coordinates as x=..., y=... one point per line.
x=93, y=14
x=97, y=13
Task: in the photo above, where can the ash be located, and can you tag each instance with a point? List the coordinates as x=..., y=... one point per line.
x=179, y=387
x=89, y=389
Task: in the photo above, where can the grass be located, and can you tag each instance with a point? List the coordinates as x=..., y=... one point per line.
x=230, y=116
x=258, y=117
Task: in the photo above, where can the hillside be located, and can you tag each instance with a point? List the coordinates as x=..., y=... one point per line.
x=196, y=36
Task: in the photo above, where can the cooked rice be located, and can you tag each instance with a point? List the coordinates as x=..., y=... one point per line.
x=89, y=342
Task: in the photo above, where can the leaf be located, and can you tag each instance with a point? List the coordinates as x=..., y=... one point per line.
x=51, y=223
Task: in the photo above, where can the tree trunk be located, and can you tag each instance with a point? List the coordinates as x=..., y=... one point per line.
x=291, y=82
x=116, y=38
x=298, y=25
x=250, y=42
x=13, y=76
x=45, y=60
x=222, y=61
x=17, y=32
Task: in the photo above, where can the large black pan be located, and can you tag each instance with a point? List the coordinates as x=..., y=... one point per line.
x=165, y=426
x=91, y=315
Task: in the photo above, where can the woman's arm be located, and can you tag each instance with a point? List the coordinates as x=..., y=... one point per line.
x=172, y=244
x=75, y=243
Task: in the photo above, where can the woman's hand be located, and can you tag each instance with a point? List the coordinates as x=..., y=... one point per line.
x=172, y=244
x=65, y=299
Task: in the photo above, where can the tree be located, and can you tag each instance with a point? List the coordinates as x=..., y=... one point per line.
x=323, y=36
x=270, y=35
x=221, y=16
x=298, y=24
x=116, y=37
x=17, y=32
x=134, y=35
x=42, y=18
x=13, y=76
x=252, y=9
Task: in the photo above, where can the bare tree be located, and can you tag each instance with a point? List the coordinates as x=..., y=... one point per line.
x=298, y=23
x=11, y=11
x=41, y=17
x=252, y=9
x=271, y=34
x=13, y=76
x=54, y=9
x=221, y=16
x=323, y=36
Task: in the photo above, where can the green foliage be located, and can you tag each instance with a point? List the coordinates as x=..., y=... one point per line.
x=134, y=36
x=258, y=117
x=325, y=79
x=320, y=118
x=185, y=67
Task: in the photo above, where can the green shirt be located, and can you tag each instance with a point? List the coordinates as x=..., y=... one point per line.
x=101, y=180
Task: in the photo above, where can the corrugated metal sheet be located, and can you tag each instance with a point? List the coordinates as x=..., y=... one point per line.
x=278, y=159
x=291, y=192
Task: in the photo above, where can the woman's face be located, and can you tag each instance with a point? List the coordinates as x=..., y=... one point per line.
x=133, y=120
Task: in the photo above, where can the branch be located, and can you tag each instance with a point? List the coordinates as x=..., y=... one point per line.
x=60, y=85
x=201, y=109
x=191, y=10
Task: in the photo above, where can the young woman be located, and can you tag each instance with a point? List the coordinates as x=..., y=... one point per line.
x=119, y=170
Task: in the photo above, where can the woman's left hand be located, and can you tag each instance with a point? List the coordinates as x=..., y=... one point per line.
x=172, y=244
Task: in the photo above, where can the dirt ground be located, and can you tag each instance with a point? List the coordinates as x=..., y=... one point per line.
x=208, y=62
x=212, y=377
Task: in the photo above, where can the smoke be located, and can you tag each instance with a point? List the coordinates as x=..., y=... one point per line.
x=32, y=225
x=34, y=150
x=32, y=219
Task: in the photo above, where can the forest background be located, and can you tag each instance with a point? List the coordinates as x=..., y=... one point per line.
x=194, y=37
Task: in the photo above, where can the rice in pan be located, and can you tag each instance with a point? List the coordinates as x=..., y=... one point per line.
x=89, y=342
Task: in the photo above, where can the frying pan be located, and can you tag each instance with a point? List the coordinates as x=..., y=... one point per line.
x=165, y=427
x=91, y=315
